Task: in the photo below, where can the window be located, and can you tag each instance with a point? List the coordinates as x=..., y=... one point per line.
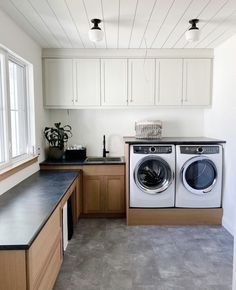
x=16, y=112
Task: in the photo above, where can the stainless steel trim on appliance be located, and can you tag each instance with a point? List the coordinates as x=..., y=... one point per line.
x=164, y=185
x=185, y=168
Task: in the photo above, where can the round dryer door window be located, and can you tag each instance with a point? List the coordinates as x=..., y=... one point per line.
x=153, y=175
x=199, y=175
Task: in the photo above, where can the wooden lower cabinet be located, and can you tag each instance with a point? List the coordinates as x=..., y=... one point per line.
x=37, y=268
x=43, y=250
x=103, y=190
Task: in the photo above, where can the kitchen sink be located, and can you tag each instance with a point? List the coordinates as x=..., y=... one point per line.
x=103, y=159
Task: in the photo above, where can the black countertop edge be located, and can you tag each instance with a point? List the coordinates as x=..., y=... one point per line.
x=27, y=245
x=49, y=162
x=175, y=141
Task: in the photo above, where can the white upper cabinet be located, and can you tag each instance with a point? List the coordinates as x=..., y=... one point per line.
x=197, y=84
x=169, y=82
x=114, y=82
x=87, y=82
x=119, y=82
x=58, y=82
x=141, y=82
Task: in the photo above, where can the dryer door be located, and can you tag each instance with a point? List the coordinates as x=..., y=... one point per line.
x=153, y=174
x=199, y=175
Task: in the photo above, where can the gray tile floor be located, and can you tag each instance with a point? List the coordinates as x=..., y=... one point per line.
x=105, y=254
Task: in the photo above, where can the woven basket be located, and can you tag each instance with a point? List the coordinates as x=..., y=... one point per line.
x=148, y=129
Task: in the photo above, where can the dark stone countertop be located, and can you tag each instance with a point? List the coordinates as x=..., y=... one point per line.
x=174, y=140
x=65, y=162
x=25, y=208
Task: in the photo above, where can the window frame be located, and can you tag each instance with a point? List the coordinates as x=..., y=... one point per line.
x=5, y=57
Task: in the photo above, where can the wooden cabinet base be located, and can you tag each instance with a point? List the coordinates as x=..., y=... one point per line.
x=174, y=216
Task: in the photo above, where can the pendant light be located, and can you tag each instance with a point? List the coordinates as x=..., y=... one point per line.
x=193, y=33
x=95, y=33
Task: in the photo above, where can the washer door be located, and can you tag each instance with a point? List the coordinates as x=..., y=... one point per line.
x=153, y=174
x=199, y=175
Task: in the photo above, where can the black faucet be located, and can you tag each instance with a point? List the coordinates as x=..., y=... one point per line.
x=104, y=151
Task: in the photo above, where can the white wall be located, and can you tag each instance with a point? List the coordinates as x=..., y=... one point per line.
x=220, y=121
x=15, y=39
x=88, y=126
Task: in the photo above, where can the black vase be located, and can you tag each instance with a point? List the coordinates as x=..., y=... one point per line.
x=55, y=153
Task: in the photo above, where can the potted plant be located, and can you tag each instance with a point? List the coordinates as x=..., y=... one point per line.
x=57, y=137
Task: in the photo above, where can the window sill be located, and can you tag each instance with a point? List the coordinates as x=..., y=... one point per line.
x=16, y=167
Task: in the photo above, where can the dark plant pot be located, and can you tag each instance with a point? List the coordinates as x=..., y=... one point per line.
x=55, y=153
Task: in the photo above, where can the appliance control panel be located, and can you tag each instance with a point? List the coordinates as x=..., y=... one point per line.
x=152, y=149
x=199, y=149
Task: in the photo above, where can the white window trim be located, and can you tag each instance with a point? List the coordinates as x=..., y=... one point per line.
x=7, y=55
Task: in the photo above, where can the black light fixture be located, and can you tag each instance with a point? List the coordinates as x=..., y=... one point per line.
x=193, y=33
x=95, y=33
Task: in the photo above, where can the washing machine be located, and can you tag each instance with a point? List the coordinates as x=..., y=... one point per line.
x=152, y=171
x=198, y=176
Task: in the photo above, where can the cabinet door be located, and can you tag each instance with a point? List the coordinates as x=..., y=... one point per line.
x=197, y=82
x=141, y=82
x=58, y=82
x=114, y=82
x=169, y=82
x=87, y=82
x=92, y=198
x=115, y=195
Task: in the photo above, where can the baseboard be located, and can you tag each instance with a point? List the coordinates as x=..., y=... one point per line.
x=228, y=225
x=174, y=216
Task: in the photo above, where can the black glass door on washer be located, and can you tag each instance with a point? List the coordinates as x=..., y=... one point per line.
x=199, y=175
x=153, y=175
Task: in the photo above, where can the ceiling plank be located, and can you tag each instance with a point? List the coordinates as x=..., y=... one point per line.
x=223, y=12
x=144, y=11
x=223, y=20
x=222, y=28
x=222, y=38
x=29, y=12
x=111, y=19
x=159, y=15
x=49, y=17
x=64, y=19
x=175, y=14
x=179, y=29
x=79, y=16
x=204, y=16
x=127, y=15
x=17, y=16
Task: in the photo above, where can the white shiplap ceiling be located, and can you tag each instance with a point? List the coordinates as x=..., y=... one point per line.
x=126, y=23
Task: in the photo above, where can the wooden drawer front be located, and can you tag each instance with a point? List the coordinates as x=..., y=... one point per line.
x=104, y=170
x=39, y=252
x=53, y=268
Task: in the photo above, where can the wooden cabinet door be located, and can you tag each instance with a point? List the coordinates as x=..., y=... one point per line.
x=114, y=82
x=87, y=82
x=58, y=82
x=115, y=195
x=141, y=82
x=92, y=197
x=197, y=82
x=169, y=82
